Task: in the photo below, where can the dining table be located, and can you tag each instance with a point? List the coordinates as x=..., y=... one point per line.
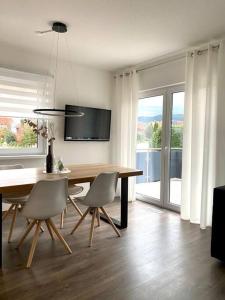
x=19, y=182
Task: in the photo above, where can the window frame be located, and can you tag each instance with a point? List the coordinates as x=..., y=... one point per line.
x=166, y=92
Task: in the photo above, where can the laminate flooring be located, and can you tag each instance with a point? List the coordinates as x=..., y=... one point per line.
x=158, y=256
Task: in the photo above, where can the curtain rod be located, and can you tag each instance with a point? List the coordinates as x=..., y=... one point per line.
x=199, y=52
x=152, y=65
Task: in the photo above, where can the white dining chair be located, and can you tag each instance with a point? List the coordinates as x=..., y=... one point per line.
x=101, y=192
x=47, y=199
x=16, y=203
x=73, y=190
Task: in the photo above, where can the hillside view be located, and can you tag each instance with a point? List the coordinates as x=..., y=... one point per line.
x=149, y=129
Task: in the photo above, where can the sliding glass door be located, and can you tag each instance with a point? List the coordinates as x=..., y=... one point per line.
x=159, y=146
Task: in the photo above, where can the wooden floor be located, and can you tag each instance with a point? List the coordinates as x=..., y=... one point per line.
x=158, y=257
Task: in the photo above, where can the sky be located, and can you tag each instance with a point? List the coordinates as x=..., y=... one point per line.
x=152, y=106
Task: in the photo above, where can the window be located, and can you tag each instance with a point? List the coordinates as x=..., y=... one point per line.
x=18, y=137
x=20, y=93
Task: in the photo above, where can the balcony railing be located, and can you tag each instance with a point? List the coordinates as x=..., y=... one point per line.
x=148, y=160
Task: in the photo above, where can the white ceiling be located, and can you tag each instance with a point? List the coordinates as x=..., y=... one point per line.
x=112, y=34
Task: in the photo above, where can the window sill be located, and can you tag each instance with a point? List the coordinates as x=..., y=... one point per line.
x=25, y=156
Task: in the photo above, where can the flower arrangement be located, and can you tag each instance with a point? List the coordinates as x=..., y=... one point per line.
x=47, y=132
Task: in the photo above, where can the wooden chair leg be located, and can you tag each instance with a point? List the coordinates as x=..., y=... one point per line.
x=33, y=245
x=6, y=213
x=110, y=221
x=59, y=235
x=81, y=220
x=75, y=206
x=92, y=227
x=61, y=220
x=49, y=229
x=41, y=228
x=98, y=217
x=20, y=207
x=30, y=226
x=13, y=222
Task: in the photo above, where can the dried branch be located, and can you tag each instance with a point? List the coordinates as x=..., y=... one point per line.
x=43, y=130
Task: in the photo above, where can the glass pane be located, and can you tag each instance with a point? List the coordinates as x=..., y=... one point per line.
x=148, y=153
x=15, y=133
x=176, y=140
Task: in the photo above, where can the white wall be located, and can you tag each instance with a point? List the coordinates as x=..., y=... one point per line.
x=165, y=74
x=83, y=86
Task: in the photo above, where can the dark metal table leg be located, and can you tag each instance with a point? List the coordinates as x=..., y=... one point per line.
x=124, y=203
x=123, y=222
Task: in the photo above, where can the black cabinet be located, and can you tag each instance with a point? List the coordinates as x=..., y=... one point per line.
x=218, y=224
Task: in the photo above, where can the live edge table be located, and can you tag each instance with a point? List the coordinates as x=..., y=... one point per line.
x=20, y=182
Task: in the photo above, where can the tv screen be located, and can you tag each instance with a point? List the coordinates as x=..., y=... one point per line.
x=93, y=126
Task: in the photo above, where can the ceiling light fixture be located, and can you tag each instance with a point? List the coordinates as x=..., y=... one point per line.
x=59, y=28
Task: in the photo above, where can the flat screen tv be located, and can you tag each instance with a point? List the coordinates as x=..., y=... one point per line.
x=93, y=126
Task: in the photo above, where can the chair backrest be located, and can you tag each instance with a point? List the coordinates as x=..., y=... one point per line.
x=47, y=199
x=102, y=190
x=9, y=167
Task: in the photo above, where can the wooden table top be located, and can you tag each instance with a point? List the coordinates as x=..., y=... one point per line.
x=21, y=181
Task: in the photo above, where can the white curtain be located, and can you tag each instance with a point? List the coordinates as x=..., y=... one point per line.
x=204, y=133
x=124, y=123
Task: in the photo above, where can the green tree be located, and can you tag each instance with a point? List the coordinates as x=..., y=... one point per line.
x=156, y=137
x=155, y=126
x=176, y=137
x=29, y=136
x=9, y=137
x=2, y=135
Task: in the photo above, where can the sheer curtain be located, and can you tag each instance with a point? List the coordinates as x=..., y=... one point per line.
x=124, y=123
x=204, y=133
x=21, y=92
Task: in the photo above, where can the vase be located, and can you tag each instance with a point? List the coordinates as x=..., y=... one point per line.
x=50, y=159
